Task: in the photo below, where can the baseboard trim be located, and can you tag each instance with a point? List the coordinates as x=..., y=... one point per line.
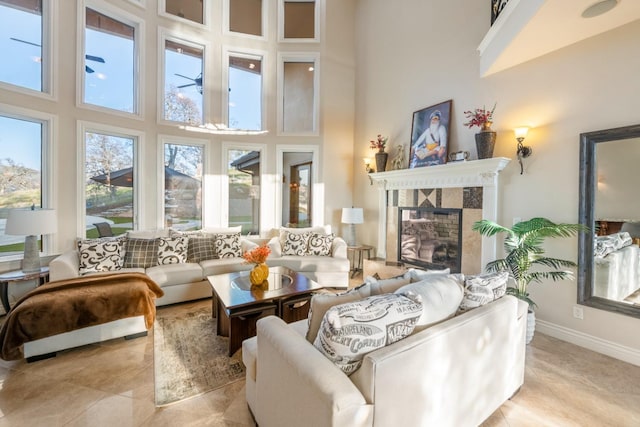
x=626, y=354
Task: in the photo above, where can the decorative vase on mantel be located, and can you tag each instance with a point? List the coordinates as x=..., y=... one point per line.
x=485, y=141
x=259, y=274
x=381, y=160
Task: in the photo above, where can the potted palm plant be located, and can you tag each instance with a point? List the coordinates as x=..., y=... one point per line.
x=525, y=260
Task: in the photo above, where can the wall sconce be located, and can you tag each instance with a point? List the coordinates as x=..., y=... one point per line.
x=522, y=151
x=368, y=168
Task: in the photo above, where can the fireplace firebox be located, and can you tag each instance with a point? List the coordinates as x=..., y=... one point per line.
x=430, y=238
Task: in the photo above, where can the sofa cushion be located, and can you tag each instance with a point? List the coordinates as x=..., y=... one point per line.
x=141, y=253
x=295, y=244
x=200, y=249
x=175, y=274
x=305, y=263
x=349, y=331
x=99, y=255
x=482, y=289
x=227, y=245
x=439, y=295
x=223, y=266
x=321, y=302
x=172, y=250
x=222, y=230
x=320, y=244
x=147, y=234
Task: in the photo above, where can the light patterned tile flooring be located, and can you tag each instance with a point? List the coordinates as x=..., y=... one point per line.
x=111, y=384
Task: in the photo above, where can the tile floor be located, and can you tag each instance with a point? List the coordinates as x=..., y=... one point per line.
x=111, y=384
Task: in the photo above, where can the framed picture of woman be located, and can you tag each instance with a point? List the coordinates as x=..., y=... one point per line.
x=430, y=135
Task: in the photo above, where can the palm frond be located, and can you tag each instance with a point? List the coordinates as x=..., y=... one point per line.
x=554, y=262
x=490, y=228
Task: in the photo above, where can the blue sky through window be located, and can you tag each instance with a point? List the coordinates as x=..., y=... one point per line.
x=25, y=67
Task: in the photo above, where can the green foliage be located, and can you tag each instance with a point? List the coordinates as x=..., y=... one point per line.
x=525, y=260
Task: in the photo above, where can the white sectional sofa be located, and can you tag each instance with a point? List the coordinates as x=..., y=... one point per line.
x=180, y=282
x=331, y=269
x=453, y=373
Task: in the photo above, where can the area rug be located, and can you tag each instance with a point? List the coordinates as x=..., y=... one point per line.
x=189, y=358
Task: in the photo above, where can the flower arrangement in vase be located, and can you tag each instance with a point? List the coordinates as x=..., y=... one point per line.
x=258, y=257
x=381, y=157
x=486, y=138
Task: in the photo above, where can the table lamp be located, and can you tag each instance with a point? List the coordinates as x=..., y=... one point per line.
x=31, y=223
x=352, y=216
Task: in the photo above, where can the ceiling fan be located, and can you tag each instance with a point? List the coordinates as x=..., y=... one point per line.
x=197, y=82
x=88, y=57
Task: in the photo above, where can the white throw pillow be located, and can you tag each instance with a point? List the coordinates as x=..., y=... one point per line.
x=386, y=286
x=172, y=250
x=482, y=289
x=320, y=244
x=415, y=274
x=320, y=303
x=295, y=244
x=349, y=331
x=100, y=255
x=440, y=296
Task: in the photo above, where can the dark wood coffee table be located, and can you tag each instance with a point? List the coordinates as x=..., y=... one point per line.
x=237, y=305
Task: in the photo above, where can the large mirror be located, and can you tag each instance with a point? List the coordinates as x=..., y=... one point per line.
x=609, y=256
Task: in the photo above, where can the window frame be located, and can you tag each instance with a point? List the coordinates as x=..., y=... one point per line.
x=138, y=60
x=163, y=35
x=49, y=59
x=266, y=212
x=316, y=22
x=48, y=179
x=181, y=140
x=226, y=16
x=138, y=170
x=228, y=51
x=298, y=57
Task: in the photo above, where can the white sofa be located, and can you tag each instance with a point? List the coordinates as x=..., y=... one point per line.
x=180, y=282
x=330, y=271
x=455, y=373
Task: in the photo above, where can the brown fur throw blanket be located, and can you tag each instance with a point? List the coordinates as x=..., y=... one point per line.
x=67, y=305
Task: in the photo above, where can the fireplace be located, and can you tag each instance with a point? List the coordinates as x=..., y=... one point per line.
x=472, y=186
x=430, y=238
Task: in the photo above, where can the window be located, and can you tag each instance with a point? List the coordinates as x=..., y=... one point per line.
x=245, y=92
x=183, y=82
x=298, y=94
x=110, y=181
x=21, y=40
x=22, y=185
x=245, y=16
x=191, y=10
x=244, y=171
x=298, y=20
x=183, y=172
x=109, y=62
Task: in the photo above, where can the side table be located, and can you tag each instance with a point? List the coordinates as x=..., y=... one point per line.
x=19, y=276
x=358, y=255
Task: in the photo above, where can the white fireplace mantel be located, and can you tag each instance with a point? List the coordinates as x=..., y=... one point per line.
x=475, y=173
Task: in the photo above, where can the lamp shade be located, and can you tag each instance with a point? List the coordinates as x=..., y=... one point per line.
x=352, y=216
x=27, y=222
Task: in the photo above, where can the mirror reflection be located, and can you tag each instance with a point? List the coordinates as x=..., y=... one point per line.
x=609, y=259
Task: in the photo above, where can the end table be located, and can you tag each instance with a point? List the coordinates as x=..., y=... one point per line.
x=358, y=255
x=19, y=276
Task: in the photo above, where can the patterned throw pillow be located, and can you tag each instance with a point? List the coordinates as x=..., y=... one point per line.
x=172, y=250
x=482, y=289
x=201, y=248
x=99, y=255
x=295, y=244
x=141, y=253
x=320, y=244
x=321, y=302
x=349, y=331
x=228, y=245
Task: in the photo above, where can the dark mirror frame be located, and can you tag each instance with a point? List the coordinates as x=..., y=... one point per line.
x=588, y=171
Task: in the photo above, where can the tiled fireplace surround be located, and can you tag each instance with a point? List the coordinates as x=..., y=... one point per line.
x=472, y=186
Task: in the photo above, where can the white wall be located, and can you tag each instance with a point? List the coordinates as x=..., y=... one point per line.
x=416, y=53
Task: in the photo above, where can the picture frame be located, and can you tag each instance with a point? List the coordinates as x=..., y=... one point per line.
x=429, y=144
x=496, y=8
